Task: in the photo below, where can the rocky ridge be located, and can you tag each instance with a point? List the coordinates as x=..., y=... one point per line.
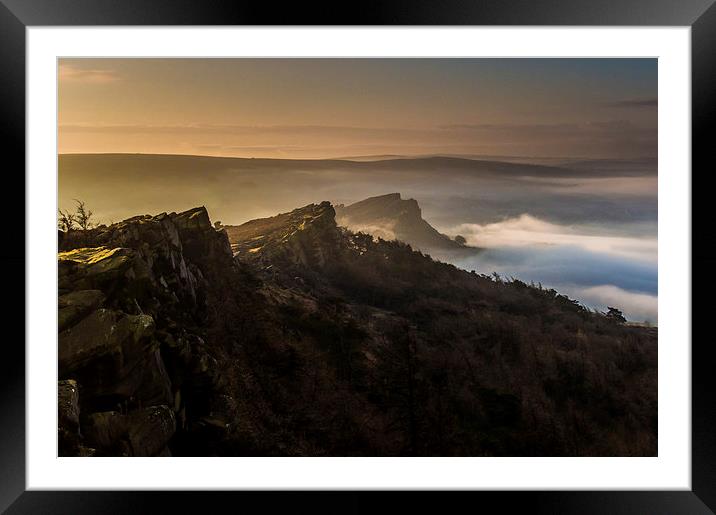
x=293, y=336
x=131, y=309
x=308, y=237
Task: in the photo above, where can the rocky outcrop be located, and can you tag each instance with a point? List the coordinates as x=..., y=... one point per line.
x=392, y=218
x=132, y=309
x=306, y=236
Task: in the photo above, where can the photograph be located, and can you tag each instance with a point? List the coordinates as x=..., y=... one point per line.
x=333, y=257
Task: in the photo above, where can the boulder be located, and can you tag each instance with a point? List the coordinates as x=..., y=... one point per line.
x=103, y=334
x=74, y=306
x=150, y=429
x=176, y=354
x=98, y=259
x=196, y=219
x=144, y=432
x=201, y=243
x=106, y=432
x=93, y=267
x=133, y=233
x=86, y=452
x=156, y=387
x=68, y=405
x=109, y=352
x=68, y=418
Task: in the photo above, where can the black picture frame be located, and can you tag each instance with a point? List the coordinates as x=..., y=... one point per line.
x=17, y=15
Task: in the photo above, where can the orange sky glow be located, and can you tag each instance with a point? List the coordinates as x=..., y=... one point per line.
x=321, y=108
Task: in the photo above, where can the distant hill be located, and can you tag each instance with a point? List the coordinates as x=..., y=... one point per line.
x=392, y=218
x=451, y=190
x=179, y=161
x=185, y=167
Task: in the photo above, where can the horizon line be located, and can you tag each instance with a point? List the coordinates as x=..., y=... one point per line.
x=377, y=157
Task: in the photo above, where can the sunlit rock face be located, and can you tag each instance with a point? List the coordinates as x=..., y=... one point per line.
x=307, y=236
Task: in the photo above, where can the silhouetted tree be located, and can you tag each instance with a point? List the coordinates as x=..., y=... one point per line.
x=83, y=216
x=65, y=220
x=615, y=315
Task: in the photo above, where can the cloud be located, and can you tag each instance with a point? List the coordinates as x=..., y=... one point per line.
x=634, y=103
x=70, y=73
x=253, y=130
x=616, y=186
x=583, y=262
x=607, y=129
x=527, y=230
x=595, y=280
x=556, y=265
x=552, y=129
x=636, y=306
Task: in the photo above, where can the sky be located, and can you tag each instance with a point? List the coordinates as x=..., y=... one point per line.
x=320, y=108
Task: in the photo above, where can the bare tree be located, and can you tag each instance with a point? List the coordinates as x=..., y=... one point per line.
x=83, y=216
x=615, y=315
x=65, y=220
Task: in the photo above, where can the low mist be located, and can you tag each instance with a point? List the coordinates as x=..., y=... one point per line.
x=586, y=228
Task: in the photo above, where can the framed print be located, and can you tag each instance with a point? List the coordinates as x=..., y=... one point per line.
x=439, y=248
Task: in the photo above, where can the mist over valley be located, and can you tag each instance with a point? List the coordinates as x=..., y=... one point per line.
x=587, y=228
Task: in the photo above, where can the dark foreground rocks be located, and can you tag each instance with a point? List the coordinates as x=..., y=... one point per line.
x=130, y=306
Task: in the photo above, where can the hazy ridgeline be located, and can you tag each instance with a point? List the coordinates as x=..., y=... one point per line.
x=587, y=228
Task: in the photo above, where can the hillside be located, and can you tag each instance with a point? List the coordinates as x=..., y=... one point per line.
x=316, y=341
